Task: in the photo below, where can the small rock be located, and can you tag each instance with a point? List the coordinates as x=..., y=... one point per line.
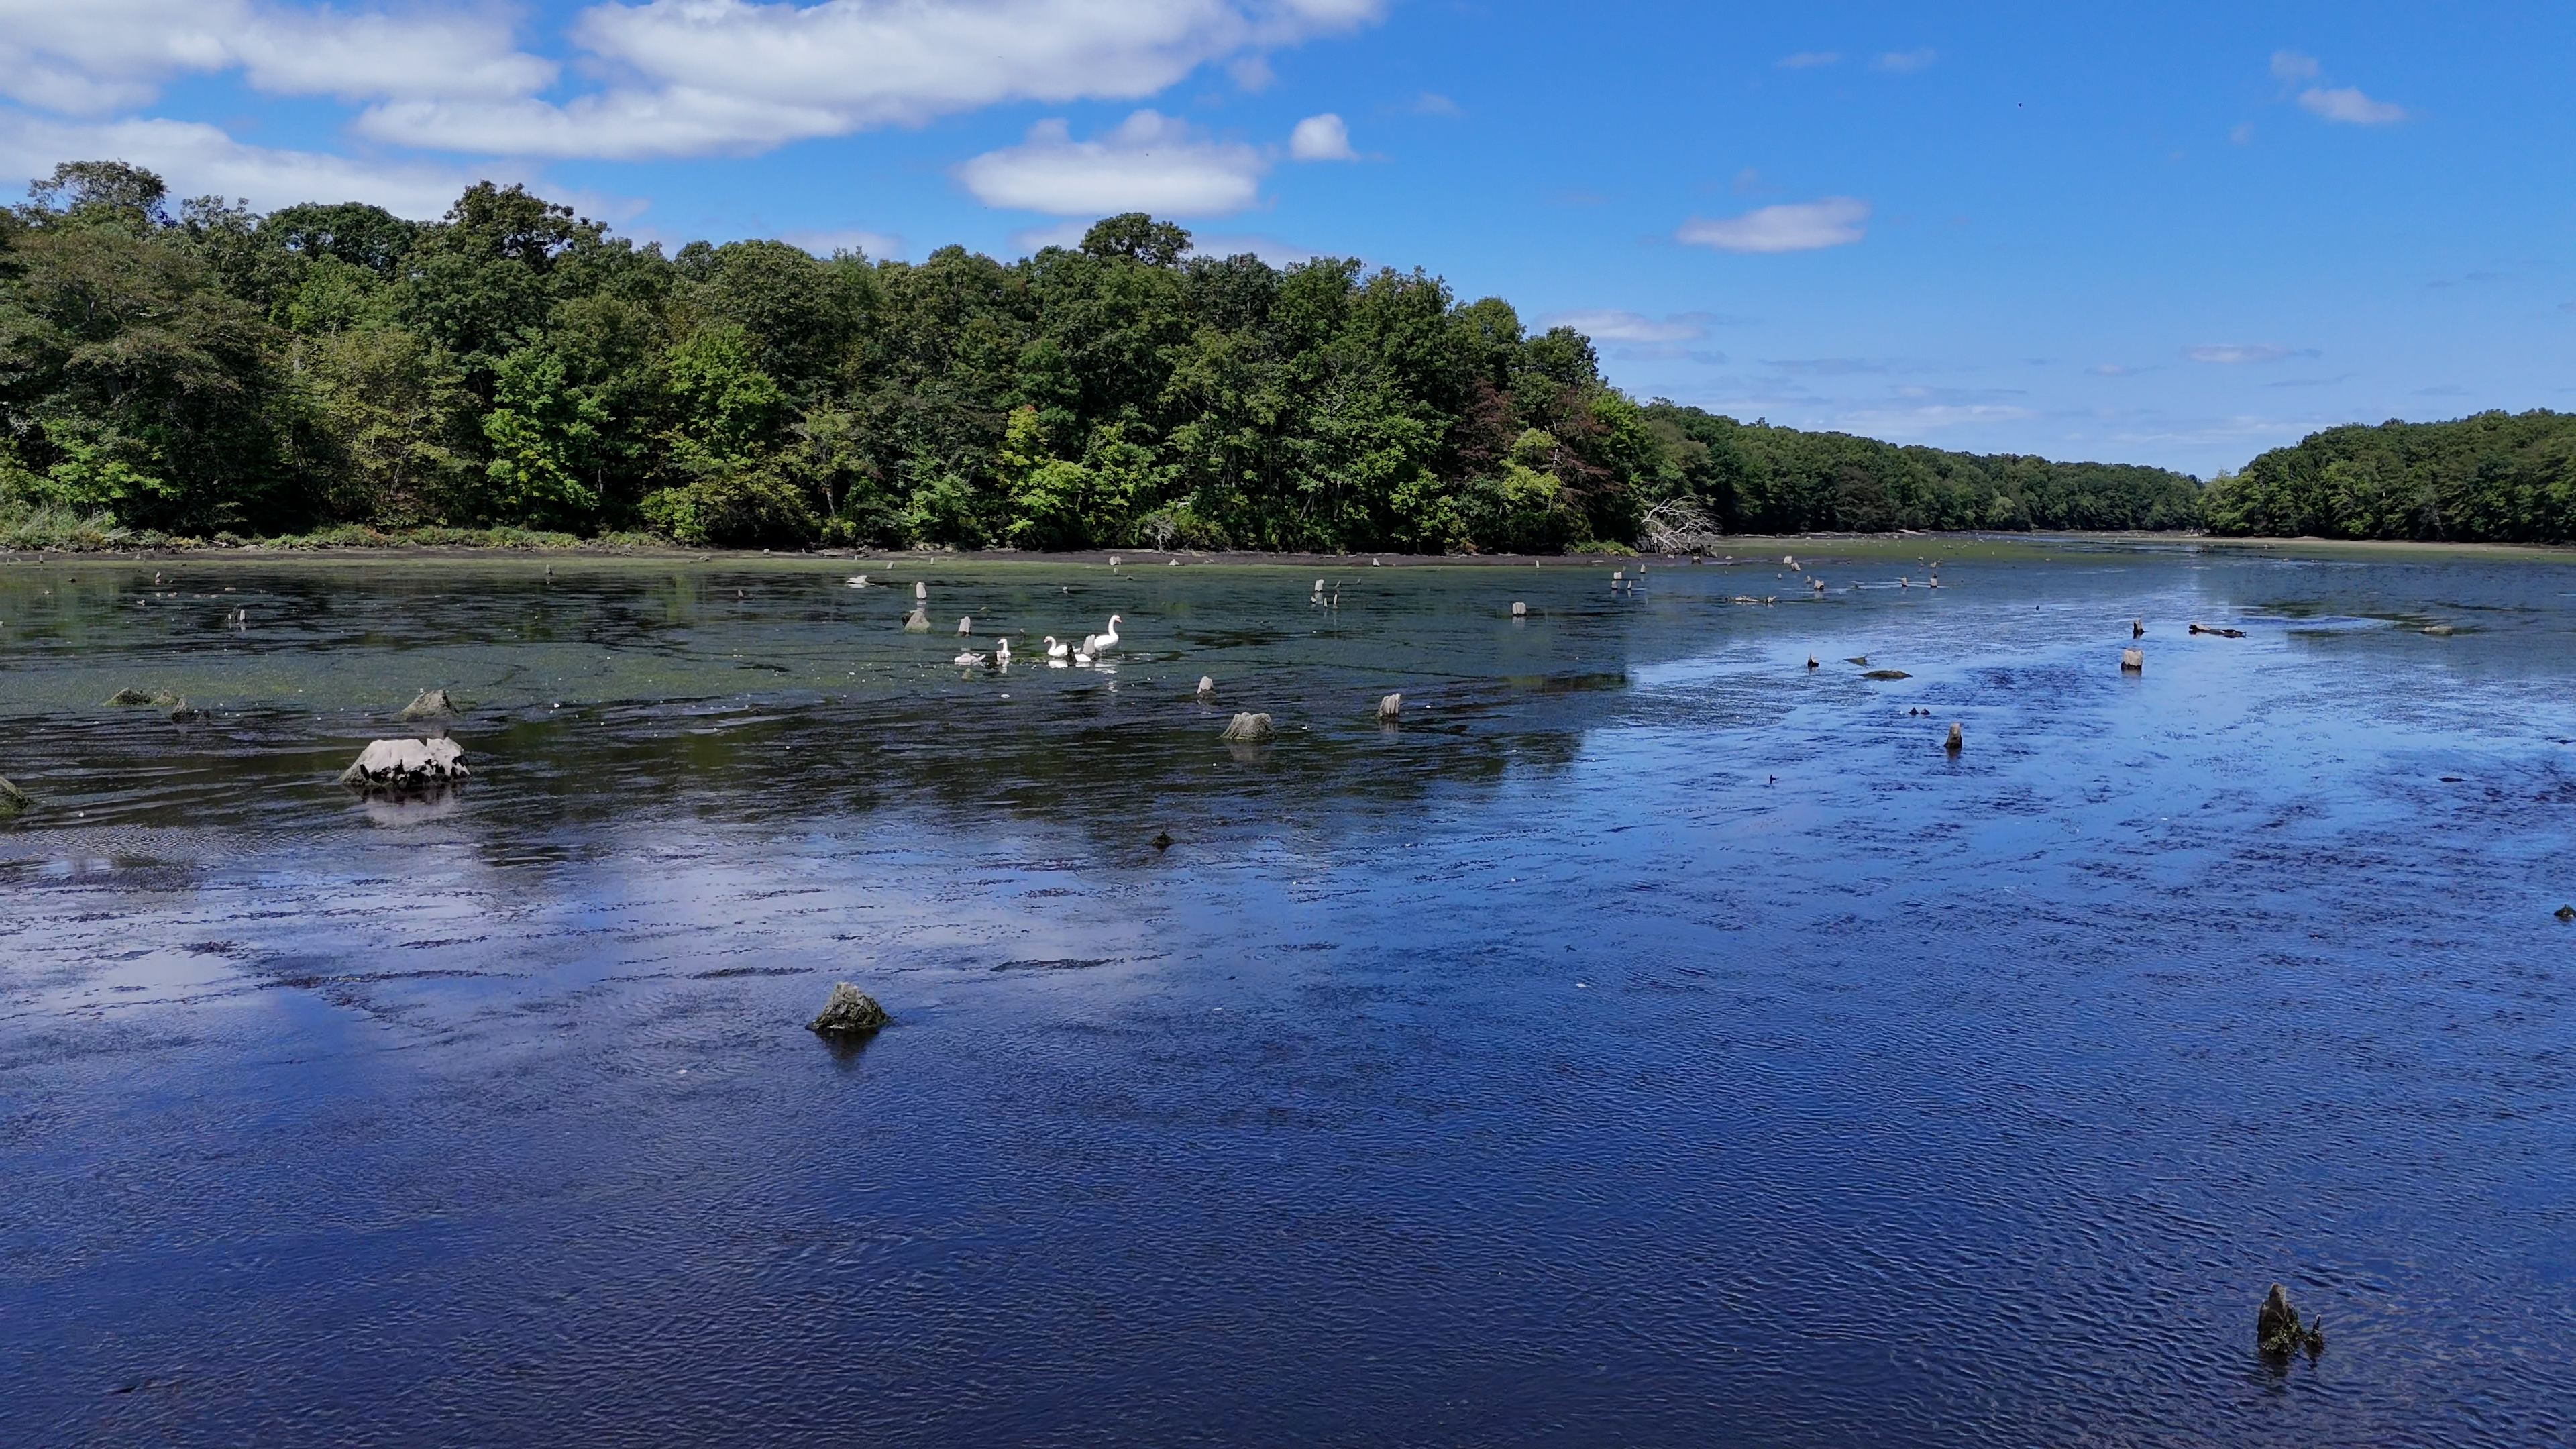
x=848, y=1012
x=12, y=799
x=2133, y=661
x=1391, y=707
x=917, y=622
x=1811, y=661
x=2440, y=629
x=428, y=704
x=2137, y=628
x=131, y=698
x=2564, y=913
x=401, y=764
x=1956, y=739
x=1887, y=674
x=1162, y=840
x=1246, y=727
x=1860, y=659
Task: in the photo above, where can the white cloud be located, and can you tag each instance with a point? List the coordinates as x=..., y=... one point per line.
x=2349, y=106
x=2238, y=352
x=1614, y=326
x=1150, y=163
x=824, y=241
x=1432, y=103
x=198, y=159
x=690, y=76
x=1792, y=227
x=2289, y=65
x=1805, y=58
x=1321, y=138
x=99, y=55
x=1906, y=62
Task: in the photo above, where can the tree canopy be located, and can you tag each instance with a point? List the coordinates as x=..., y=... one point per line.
x=2495, y=477
x=516, y=364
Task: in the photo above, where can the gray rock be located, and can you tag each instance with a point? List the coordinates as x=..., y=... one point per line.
x=132, y=698
x=406, y=764
x=848, y=1012
x=917, y=622
x=1248, y=727
x=428, y=704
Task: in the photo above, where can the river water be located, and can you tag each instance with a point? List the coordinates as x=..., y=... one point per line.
x=1649, y=1040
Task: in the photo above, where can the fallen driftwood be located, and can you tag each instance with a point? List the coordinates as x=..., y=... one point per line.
x=2133, y=661
x=406, y=764
x=2278, y=1329
x=428, y=704
x=13, y=799
x=848, y=1012
x=1244, y=728
x=2221, y=633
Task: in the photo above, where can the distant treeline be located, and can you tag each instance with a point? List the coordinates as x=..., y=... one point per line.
x=2496, y=477
x=515, y=366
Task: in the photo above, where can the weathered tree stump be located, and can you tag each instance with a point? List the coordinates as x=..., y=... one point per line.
x=1246, y=728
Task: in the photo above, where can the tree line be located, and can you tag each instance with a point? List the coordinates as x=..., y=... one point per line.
x=515, y=365
x=2494, y=477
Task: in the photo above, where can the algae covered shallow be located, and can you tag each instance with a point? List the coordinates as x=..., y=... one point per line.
x=1649, y=1039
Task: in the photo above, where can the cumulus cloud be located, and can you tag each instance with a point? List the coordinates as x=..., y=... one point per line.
x=100, y=55
x=1321, y=138
x=690, y=76
x=2229, y=353
x=2347, y=105
x=1791, y=227
x=826, y=241
x=1614, y=326
x=198, y=159
x=1151, y=162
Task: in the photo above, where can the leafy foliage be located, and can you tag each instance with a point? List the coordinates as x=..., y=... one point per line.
x=332, y=370
x=2500, y=477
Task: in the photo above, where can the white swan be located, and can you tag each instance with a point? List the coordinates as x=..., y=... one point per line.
x=1082, y=659
x=858, y=581
x=1002, y=655
x=967, y=659
x=1057, y=649
x=1104, y=641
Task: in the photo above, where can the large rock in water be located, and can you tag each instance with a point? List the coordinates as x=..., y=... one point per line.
x=406, y=764
x=848, y=1012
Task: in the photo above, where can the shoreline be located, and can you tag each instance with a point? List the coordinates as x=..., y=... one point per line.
x=1760, y=545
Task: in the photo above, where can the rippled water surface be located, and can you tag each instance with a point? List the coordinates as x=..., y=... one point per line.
x=1650, y=1040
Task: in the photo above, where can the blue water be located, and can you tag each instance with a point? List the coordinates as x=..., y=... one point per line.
x=1650, y=1040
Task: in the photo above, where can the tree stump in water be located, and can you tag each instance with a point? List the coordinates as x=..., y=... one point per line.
x=2133, y=661
x=1391, y=707
x=428, y=704
x=1245, y=728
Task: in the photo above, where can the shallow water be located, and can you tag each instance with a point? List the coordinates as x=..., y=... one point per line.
x=1648, y=1041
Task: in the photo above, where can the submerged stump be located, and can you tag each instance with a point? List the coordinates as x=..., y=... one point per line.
x=917, y=622
x=1391, y=708
x=2133, y=661
x=1245, y=728
x=2278, y=1329
x=848, y=1011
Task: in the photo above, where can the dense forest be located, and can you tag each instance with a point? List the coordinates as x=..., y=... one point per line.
x=335, y=367
x=2503, y=477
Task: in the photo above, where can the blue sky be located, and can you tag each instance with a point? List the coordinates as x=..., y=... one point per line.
x=2176, y=235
